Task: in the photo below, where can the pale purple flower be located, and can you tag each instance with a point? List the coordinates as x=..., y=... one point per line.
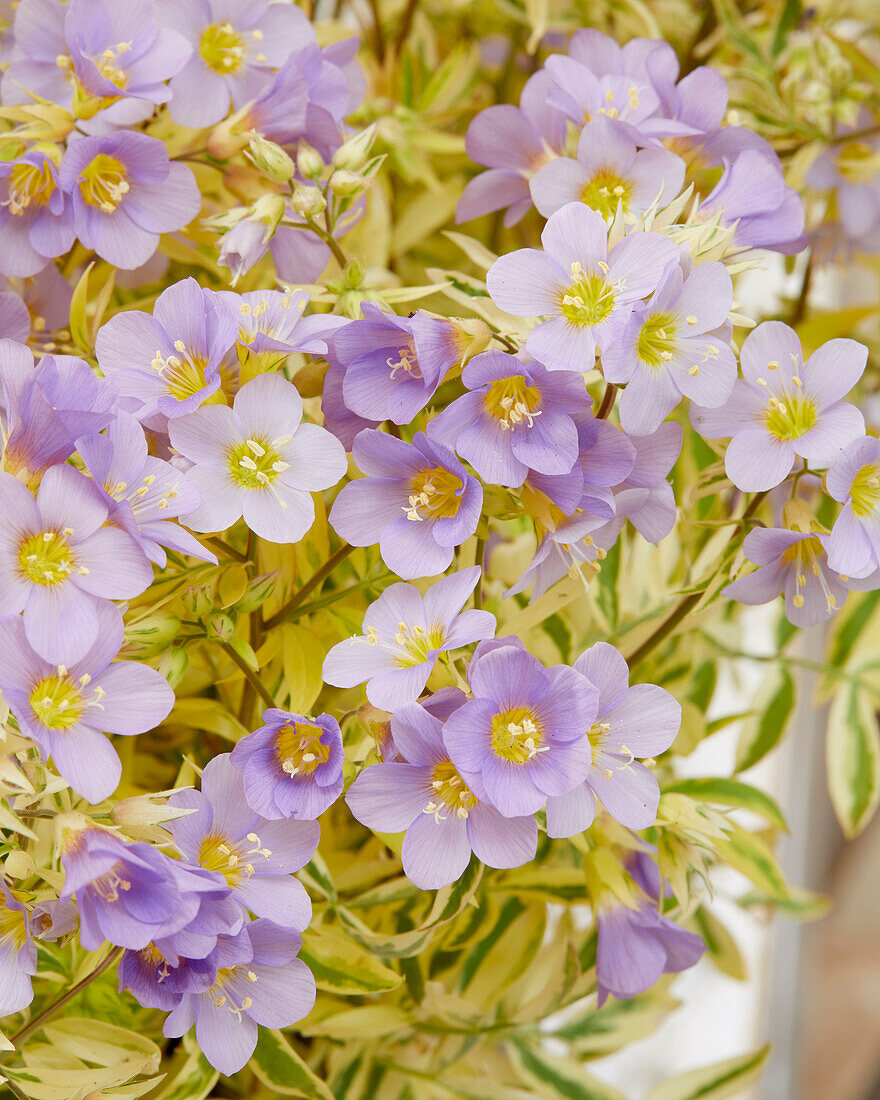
x=609, y=170
x=15, y=319
x=393, y=365
x=18, y=954
x=53, y=919
x=259, y=981
x=517, y=417
x=674, y=347
x=36, y=216
x=59, y=564
x=338, y=417
x=586, y=292
x=417, y=501
x=640, y=721
x=424, y=795
x=143, y=494
x=853, y=478
x=235, y=46
x=784, y=408
x=243, y=245
x=621, y=92
x=521, y=738
x=852, y=169
x=256, y=857
x=46, y=297
x=125, y=193
x=645, y=497
x=404, y=633
x=292, y=765
x=513, y=143
x=257, y=460
x=67, y=709
x=271, y=325
x=752, y=198
x=171, y=362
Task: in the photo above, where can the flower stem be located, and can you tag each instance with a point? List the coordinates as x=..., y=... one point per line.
x=226, y=549
x=250, y=676
x=607, y=401
x=328, y=239
x=309, y=587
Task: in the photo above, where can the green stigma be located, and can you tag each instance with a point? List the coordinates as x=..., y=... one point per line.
x=790, y=416
x=45, y=559
x=865, y=491
x=222, y=49
x=589, y=299
x=657, y=340
x=605, y=190
x=255, y=463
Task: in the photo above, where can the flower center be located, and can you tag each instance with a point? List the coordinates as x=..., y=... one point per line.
x=110, y=884
x=152, y=956
x=46, y=558
x=13, y=928
x=790, y=416
x=451, y=793
x=605, y=190
x=805, y=557
x=657, y=340
x=219, y=854
x=222, y=49
x=415, y=644
x=103, y=183
x=434, y=494
x=511, y=401
x=183, y=374
x=546, y=515
x=29, y=183
x=59, y=701
x=300, y=749
x=516, y=735
x=255, y=463
x=223, y=998
x=858, y=162
x=589, y=298
x=405, y=363
x=865, y=491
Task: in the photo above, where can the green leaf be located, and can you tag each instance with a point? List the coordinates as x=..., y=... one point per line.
x=730, y=792
x=341, y=966
x=280, y=1068
x=848, y=629
x=193, y=1080
x=852, y=749
x=716, y=1082
x=79, y=325
x=774, y=706
x=749, y=854
x=789, y=17
x=720, y=945
x=800, y=904
x=564, y=1076
x=597, y=1032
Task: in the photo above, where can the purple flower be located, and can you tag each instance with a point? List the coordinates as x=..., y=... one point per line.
x=513, y=143
x=636, y=945
x=393, y=365
x=784, y=408
x=417, y=501
x=171, y=362
x=292, y=765
x=517, y=417
x=587, y=292
x=46, y=297
x=258, y=980
x=143, y=494
x=236, y=45
x=404, y=633
x=53, y=919
x=67, y=710
x=751, y=198
x=58, y=563
x=338, y=418
x=18, y=954
x=244, y=244
x=852, y=168
x=645, y=497
x=15, y=318
x=271, y=325
x=256, y=857
x=157, y=982
x=584, y=94
x=674, y=347
x=36, y=218
x=609, y=170
x=257, y=460
x=640, y=721
x=521, y=738
x=125, y=193
x=425, y=796
x=854, y=479
x=48, y=407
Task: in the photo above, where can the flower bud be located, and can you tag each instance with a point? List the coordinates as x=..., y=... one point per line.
x=353, y=154
x=151, y=635
x=220, y=627
x=268, y=209
x=307, y=200
x=309, y=161
x=257, y=592
x=198, y=601
x=347, y=184
x=173, y=665
x=354, y=273
x=141, y=810
x=270, y=158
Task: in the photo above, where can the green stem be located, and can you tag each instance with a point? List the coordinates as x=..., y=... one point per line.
x=328, y=239
x=226, y=549
x=309, y=587
x=252, y=678
x=478, y=560
x=405, y=25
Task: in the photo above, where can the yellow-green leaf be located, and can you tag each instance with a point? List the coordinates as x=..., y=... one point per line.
x=717, y=1082
x=852, y=750
x=341, y=966
x=730, y=792
x=280, y=1068
x=750, y=855
x=774, y=707
x=302, y=657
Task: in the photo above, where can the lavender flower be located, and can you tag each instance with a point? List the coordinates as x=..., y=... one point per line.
x=631, y=722
x=258, y=980
x=257, y=460
x=18, y=954
x=271, y=325
x=36, y=218
x=645, y=497
x=338, y=418
x=58, y=563
x=235, y=46
x=292, y=765
x=171, y=362
x=15, y=319
x=417, y=501
x=67, y=710
x=784, y=408
x=751, y=198
x=854, y=479
x=404, y=633
x=587, y=292
x=517, y=417
x=609, y=171
x=125, y=193
x=256, y=857
x=852, y=169
x=425, y=796
x=674, y=346
x=520, y=738
x=53, y=919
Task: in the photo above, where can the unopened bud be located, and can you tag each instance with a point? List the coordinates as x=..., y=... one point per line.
x=268, y=209
x=270, y=158
x=198, y=601
x=151, y=635
x=220, y=627
x=796, y=515
x=142, y=811
x=173, y=665
x=309, y=161
x=353, y=154
x=308, y=200
x=257, y=592
x=347, y=184
x=354, y=273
